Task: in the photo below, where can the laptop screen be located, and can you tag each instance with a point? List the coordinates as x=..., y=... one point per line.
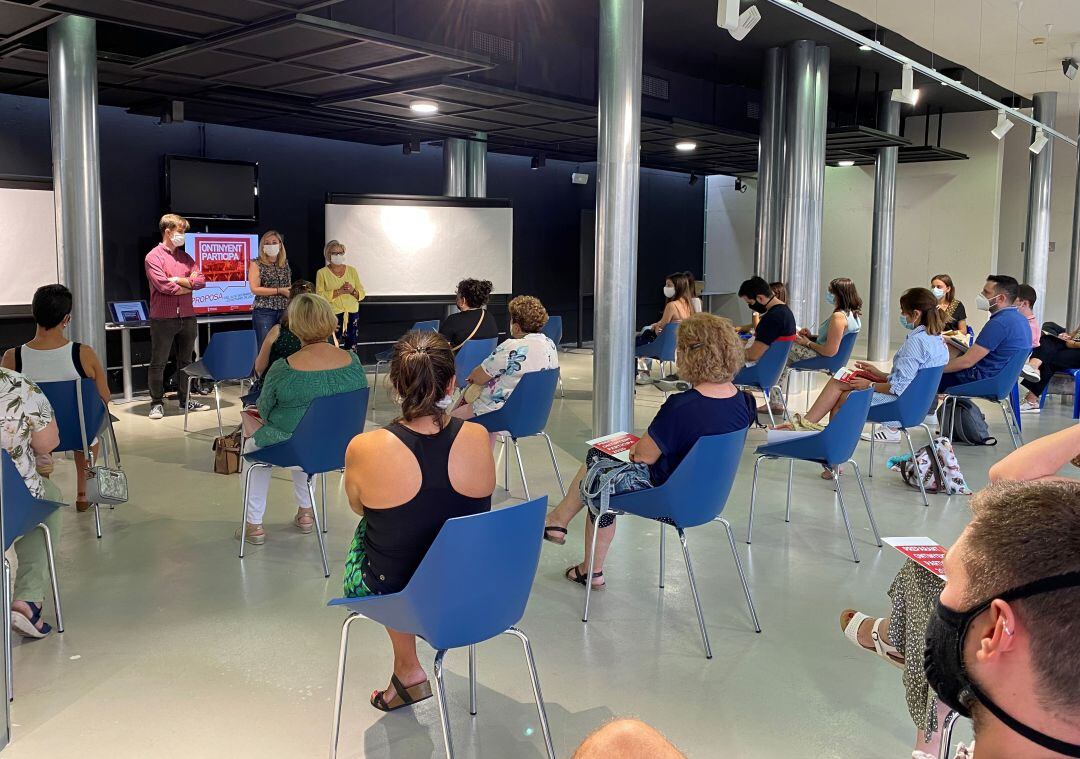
x=127, y=311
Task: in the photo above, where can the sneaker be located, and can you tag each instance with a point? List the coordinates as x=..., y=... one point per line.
x=157, y=411
x=673, y=386
x=882, y=435
x=643, y=378
x=195, y=406
x=1029, y=372
x=1030, y=407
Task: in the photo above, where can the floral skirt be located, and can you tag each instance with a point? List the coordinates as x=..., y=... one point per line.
x=355, y=587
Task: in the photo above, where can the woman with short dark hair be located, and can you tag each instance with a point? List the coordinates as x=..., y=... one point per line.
x=472, y=321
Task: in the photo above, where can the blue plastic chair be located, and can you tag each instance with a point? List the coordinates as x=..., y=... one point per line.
x=230, y=357
x=65, y=404
x=661, y=349
x=383, y=357
x=525, y=414
x=999, y=389
x=828, y=364
x=469, y=356
x=454, y=599
x=554, y=330
x=1075, y=374
x=765, y=375
x=830, y=448
x=317, y=446
x=694, y=494
x=909, y=410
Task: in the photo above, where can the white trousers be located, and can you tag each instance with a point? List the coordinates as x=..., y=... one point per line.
x=259, y=485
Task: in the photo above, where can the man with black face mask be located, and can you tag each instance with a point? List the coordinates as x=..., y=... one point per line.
x=1001, y=646
x=777, y=323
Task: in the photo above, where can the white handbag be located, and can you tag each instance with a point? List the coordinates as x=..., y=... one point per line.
x=104, y=485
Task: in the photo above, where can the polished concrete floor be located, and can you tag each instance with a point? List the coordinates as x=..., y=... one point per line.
x=176, y=648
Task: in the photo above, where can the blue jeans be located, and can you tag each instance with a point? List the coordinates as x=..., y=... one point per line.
x=262, y=321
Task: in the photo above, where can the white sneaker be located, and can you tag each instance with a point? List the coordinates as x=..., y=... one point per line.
x=1030, y=407
x=1029, y=372
x=882, y=435
x=157, y=411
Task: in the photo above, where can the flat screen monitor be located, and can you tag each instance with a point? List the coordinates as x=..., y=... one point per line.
x=204, y=188
x=129, y=311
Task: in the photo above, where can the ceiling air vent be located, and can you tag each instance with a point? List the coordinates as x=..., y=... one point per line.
x=499, y=48
x=655, y=87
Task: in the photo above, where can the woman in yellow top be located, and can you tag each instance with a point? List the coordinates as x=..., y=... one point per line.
x=340, y=284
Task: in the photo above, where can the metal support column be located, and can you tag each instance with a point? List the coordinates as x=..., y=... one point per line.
x=881, y=246
x=799, y=115
x=455, y=168
x=812, y=291
x=477, y=160
x=618, y=147
x=76, y=174
x=1037, y=241
x=1074, y=261
x=771, y=168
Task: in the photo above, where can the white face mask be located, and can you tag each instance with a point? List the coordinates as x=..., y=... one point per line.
x=337, y=259
x=938, y=293
x=982, y=302
x=177, y=240
x=271, y=251
x=669, y=292
x=445, y=403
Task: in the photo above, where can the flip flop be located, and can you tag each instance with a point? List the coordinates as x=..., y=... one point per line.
x=402, y=696
x=884, y=650
x=579, y=577
x=554, y=539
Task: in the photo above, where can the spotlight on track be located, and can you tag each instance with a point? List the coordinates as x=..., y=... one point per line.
x=410, y=147
x=737, y=24
x=1003, y=126
x=1040, y=141
x=1069, y=67
x=907, y=92
x=539, y=161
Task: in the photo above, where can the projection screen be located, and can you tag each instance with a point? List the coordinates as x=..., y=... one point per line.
x=27, y=243
x=406, y=246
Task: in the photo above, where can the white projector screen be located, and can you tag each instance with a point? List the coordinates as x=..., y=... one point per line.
x=405, y=247
x=27, y=244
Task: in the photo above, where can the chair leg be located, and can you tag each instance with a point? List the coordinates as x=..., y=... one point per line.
x=97, y=519
x=843, y=511
x=9, y=678
x=521, y=468
x=554, y=463
x=693, y=590
x=952, y=416
x=562, y=390
x=339, y=691
x=742, y=575
x=440, y=693
x=922, y=486
x=545, y=729
x=472, y=680
x=375, y=388
x=506, y=462
x=873, y=431
x=243, y=506
x=322, y=483
x=866, y=501
x=318, y=527
x=52, y=576
x=188, y=396
x=790, y=476
x=217, y=405
x=589, y=573
x=753, y=498
x=949, y=723
x=662, y=557
x=783, y=402
x=1013, y=425
x=768, y=406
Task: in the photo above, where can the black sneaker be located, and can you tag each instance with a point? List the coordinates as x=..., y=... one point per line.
x=157, y=411
x=195, y=406
x=673, y=386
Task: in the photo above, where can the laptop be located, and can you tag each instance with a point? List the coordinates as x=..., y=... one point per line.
x=129, y=312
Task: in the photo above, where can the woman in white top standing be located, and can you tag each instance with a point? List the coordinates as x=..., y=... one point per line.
x=51, y=357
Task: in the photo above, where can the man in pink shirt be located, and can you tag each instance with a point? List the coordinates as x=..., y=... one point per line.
x=173, y=276
x=1025, y=301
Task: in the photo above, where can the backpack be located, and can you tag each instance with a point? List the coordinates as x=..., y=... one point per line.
x=937, y=467
x=970, y=427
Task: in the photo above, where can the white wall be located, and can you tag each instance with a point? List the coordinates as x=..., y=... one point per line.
x=730, y=234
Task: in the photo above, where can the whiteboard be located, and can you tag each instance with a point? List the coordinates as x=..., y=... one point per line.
x=28, y=254
x=424, y=248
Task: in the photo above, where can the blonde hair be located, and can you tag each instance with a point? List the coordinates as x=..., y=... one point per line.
x=332, y=244
x=171, y=221
x=709, y=350
x=281, y=260
x=528, y=313
x=311, y=318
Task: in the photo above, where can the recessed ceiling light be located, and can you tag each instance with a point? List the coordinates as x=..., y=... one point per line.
x=424, y=106
x=845, y=163
x=865, y=48
x=685, y=146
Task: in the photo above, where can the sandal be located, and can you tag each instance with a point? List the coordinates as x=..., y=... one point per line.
x=252, y=533
x=885, y=650
x=27, y=626
x=554, y=538
x=579, y=577
x=402, y=696
x=304, y=526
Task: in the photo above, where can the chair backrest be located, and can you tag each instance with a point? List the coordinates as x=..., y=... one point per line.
x=914, y=403
x=431, y=325
x=470, y=355
x=231, y=355
x=839, y=439
x=319, y=441
x=527, y=409
x=766, y=372
x=831, y=364
x=21, y=511
x=998, y=387
x=64, y=401
x=553, y=329
x=666, y=342
x=474, y=581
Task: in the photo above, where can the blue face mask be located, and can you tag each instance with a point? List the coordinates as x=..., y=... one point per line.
x=905, y=323
x=830, y=298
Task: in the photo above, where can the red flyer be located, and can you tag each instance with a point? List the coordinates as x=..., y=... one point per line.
x=924, y=551
x=617, y=445
x=224, y=260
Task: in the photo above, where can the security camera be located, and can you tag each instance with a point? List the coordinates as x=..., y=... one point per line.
x=1069, y=67
x=738, y=25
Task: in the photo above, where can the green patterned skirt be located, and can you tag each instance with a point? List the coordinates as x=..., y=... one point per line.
x=355, y=587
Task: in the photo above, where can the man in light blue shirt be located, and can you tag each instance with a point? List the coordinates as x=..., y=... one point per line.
x=1006, y=334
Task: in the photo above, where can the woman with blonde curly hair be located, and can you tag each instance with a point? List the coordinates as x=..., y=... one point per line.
x=709, y=354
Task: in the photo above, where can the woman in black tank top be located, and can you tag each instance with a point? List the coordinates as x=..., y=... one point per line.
x=405, y=481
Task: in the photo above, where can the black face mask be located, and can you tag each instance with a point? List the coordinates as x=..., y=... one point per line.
x=943, y=660
x=758, y=307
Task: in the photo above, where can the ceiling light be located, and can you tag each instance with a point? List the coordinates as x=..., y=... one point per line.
x=737, y=24
x=538, y=161
x=845, y=163
x=424, y=107
x=865, y=48
x=907, y=92
x=1040, y=141
x=1003, y=126
x=1069, y=67
x=685, y=146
